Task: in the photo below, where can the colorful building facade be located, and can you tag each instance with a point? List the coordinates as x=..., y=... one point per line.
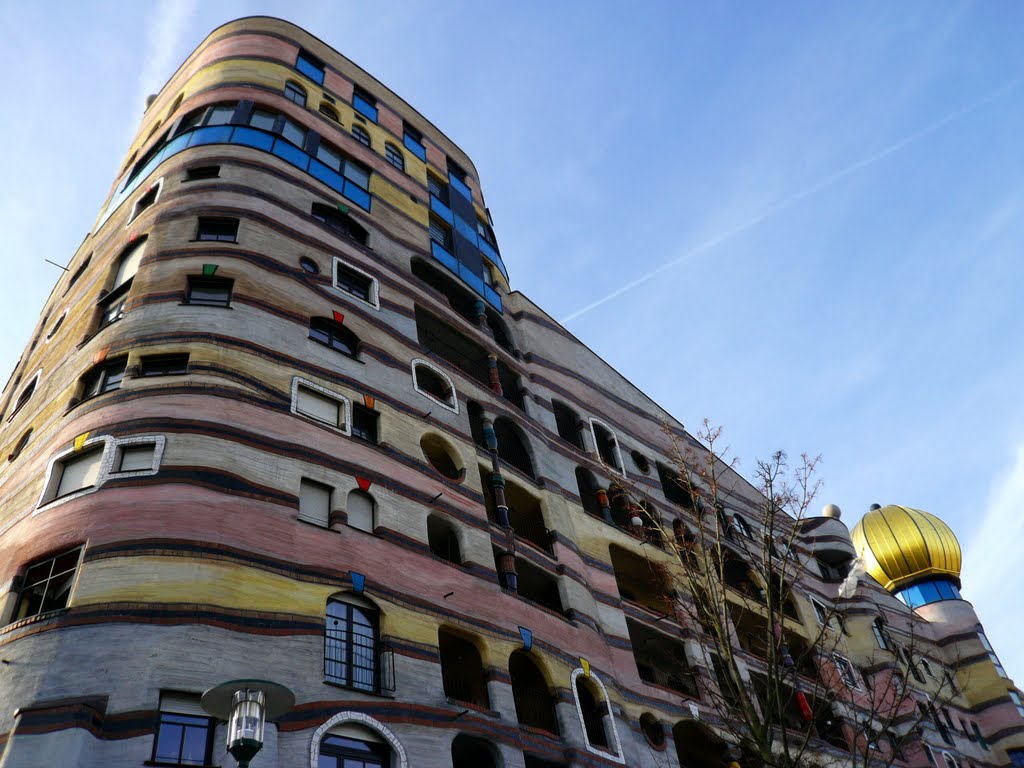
x=284, y=418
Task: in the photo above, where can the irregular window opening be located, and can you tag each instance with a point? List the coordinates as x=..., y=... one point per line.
x=361, y=135
x=20, y=445
x=394, y=156
x=46, y=585
x=607, y=445
x=641, y=580
x=513, y=445
x=441, y=456
x=295, y=92
x=661, y=659
x=587, y=485
x=462, y=671
x=472, y=752
x=476, y=423
x=329, y=112
x=105, y=377
x=334, y=335
x=568, y=423
x=535, y=706
x=433, y=383
x=442, y=540
x=339, y=222
x=652, y=729
x=673, y=486
x=163, y=365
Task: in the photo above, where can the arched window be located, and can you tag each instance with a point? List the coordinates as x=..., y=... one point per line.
x=568, y=423
x=586, y=483
x=334, y=335
x=736, y=574
x=472, y=752
x=462, y=671
x=361, y=135
x=329, y=112
x=351, y=644
x=622, y=506
x=535, y=705
x=394, y=156
x=295, y=92
x=476, y=422
x=360, y=509
x=337, y=751
x=512, y=446
x=436, y=385
x=442, y=456
x=592, y=710
x=443, y=540
x=340, y=223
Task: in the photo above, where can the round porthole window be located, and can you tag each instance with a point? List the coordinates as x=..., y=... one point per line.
x=442, y=456
x=641, y=462
x=309, y=265
x=652, y=729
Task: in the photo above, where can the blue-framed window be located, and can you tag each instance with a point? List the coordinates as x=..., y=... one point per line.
x=364, y=104
x=311, y=67
x=413, y=141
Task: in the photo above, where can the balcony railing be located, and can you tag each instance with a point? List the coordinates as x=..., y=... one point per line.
x=358, y=660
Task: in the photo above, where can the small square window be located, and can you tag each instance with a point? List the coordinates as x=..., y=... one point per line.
x=105, y=377
x=364, y=423
x=183, y=739
x=364, y=103
x=321, y=406
x=209, y=291
x=413, y=141
x=136, y=458
x=218, y=230
x=355, y=282
x=146, y=201
x=311, y=67
x=46, y=585
x=200, y=172
x=163, y=365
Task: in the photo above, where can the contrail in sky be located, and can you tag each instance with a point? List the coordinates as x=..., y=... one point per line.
x=790, y=201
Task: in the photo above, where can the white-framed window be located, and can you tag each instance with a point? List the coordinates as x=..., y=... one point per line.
x=821, y=613
x=150, y=196
x=320, y=404
x=846, y=671
x=356, y=282
x=607, y=444
x=595, y=714
x=434, y=384
x=75, y=473
x=315, y=502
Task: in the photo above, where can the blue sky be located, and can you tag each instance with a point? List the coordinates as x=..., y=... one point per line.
x=827, y=195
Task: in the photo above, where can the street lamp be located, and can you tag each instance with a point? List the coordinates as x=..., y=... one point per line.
x=246, y=705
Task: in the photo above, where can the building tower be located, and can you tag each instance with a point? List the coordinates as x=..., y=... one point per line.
x=283, y=418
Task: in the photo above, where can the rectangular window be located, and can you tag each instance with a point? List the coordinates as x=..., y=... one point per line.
x=105, y=377
x=112, y=308
x=47, y=584
x=128, y=265
x=440, y=233
x=209, y=291
x=217, y=230
x=351, y=280
x=364, y=423
x=78, y=471
x=1015, y=698
x=293, y=132
x=364, y=103
x=315, y=502
x=846, y=671
x=438, y=188
x=820, y=613
x=136, y=458
x=184, y=734
x=320, y=407
x=311, y=67
x=413, y=141
x=163, y=365
x=200, y=172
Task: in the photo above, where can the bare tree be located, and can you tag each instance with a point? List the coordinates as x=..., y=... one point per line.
x=780, y=694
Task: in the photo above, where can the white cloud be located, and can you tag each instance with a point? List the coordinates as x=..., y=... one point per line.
x=168, y=24
x=992, y=574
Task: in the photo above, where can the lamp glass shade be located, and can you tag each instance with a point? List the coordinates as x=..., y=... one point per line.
x=248, y=717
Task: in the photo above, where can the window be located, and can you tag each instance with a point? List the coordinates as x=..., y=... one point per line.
x=292, y=131
x=334, y=335
x=440, y=232
x=78, y=273
x=640, y=461
x=443, y=540
x=128, y=265
x=364, y=103
x=359, y=509
x=46, y=585
x=846, y=671
x=431, y=382
x=442, y=456
x=568, y=423
x=24, y=397
x=200, y=172
x=593, y=708
x=295, y=92
x=20, y=445
x=310, y=66
x=217, y=230
x=878, y=627
x=743, y=526
x=1016, y=757
x=364, y=423
x=1015, y=698
x=315, y=502
x=350, y=645
x=462, y=671
x=991, y=652
x=438, y=188
x=76, y=472
x=309, y=266
x=413, y=141
x=674, y=487
x=329, y=112
x=535, y=706
x=950, y=760
x=356, y=282
x=320, y=405
x=136, y=457
x=209, y=291
x=56, y=326
x=105, y=377
x=394, y=156
x=979, y=736
x=112, y=307
x=820, y=612
x=164, y=365
x=184, y=735
x=148, y=198
x=361, y=135
x=607, y=445
x=338, y=751
x=338, y=222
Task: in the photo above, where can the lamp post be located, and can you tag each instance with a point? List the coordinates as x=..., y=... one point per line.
x=247, y=705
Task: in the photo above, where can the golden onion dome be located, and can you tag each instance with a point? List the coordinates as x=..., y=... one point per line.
x=901, y=546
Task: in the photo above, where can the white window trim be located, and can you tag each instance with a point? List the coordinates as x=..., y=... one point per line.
x=298, y=381
x=108, y=462
x=452, y=406
x=617, y=756
x=618, y=449
x=374, y=283
x=159, y=184
x=400, y=759
x=836, y=658
x=34, y=381
x=816, y=604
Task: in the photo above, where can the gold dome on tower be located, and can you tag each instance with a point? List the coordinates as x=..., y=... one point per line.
x=901, y=546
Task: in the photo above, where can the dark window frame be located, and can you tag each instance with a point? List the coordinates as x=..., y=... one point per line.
x=310, y=66
x=347, y=647
x=206, y=723
x=335, y=336
x=412, y=139
x=202, y=282
x=355, y=282
x=216, y=229
x=295, y=93
x=26, y=571
x=365, y=423
x=202, y=172
x=361, y=135
x=172, y=364
x=104, y=377
x=364, y=103
x=394, y=156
